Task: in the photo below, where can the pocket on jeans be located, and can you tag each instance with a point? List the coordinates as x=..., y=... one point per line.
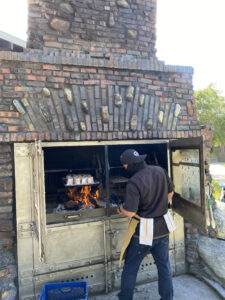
x=135, y=241
x=165, y=240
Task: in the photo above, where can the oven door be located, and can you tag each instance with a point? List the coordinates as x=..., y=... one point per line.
x=187, y=172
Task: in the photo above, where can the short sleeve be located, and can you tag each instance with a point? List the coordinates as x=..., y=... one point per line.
x=132, y=197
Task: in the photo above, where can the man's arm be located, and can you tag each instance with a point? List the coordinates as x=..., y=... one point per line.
x=122, y=211
x=170, y=196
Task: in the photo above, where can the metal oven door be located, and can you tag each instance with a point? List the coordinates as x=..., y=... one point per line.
x=187, y=172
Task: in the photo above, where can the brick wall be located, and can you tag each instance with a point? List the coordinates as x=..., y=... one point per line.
x=8, y=270
x=99, y=27
x=78, y=98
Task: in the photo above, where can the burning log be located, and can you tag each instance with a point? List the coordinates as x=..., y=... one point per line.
x=82, y=198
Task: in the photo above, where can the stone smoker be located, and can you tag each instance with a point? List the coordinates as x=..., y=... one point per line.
x=88, y=86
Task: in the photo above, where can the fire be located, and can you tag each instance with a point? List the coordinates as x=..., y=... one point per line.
x=84, y=197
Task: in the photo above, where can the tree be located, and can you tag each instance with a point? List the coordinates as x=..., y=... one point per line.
x=210, y=107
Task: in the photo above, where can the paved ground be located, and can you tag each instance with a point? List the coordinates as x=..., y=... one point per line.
x=185, y=288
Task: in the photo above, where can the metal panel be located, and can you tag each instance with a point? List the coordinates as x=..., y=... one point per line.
x=188, y=176
x=23, y=189
x=81, y=244
x=39, y=211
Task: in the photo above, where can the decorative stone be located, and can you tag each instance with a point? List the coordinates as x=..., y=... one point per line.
x=130, y=93
x=69, y=123
x=25, y=102
x=141, y=100
x=219, y=217
x=60, y=25
x=118, y=99
x=132, y=34
x=82, y=126
x=212, y=253
x=45, y=113
x=105, y=114
x=111, y=20
x=46, y=92
x=160, y=117
x=19, y=106
x=149, y=124
x=84, y=106
x=31, y=127
x=6, y=258
x=8, y=291
x=177, y=110
x=123, y=3
x=66, y=8
x=133, y=123
x=69, y=95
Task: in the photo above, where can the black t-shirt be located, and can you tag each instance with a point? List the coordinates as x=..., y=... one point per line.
x=147, y=195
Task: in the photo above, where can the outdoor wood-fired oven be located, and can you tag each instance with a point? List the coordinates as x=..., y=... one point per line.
x=88, y=87
x=67, y=194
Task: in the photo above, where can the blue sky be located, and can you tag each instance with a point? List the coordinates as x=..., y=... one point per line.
x=189, y=32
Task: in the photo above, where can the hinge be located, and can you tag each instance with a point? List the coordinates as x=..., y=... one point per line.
x=22, y=227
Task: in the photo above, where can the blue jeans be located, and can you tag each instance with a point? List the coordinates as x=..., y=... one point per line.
x=134, y=256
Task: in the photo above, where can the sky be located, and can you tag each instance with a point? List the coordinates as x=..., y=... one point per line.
x=189, y=32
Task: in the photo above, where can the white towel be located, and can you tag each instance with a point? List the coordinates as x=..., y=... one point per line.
x=169, y=222
x=146, y=231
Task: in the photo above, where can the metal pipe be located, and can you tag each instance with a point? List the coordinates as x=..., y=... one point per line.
x=106, y=261
x=107, y=169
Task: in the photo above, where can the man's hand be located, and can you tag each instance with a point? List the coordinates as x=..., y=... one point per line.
x=122, y=211
x=170, y=196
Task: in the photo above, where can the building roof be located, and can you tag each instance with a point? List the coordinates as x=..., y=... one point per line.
x=12, y=39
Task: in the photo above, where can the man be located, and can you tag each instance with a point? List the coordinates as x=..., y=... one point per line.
x=147, y=194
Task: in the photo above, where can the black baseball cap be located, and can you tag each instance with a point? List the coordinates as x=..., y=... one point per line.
x=131, y=156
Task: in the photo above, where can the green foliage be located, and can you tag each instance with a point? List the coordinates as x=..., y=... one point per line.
x=211, y=111
x=217, y=190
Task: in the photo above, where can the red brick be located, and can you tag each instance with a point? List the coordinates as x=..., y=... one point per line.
x=36, y=78
x=60, y=73
x=49, y=67
x=5, y=71
x=107, y=82
x=57, y=79
x=88, y=70
x=1, y=77
x=41, y=136
x=47, y=136
x=9, y=114
x=13, y=128
x=190, y=108
x=91, y=82
x=171, y=84
x=71, y=69
x=20, y=138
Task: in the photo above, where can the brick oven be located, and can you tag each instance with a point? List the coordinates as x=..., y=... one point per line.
x=87, y=87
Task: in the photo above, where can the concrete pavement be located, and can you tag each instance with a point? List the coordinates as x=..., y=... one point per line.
x=186, y=287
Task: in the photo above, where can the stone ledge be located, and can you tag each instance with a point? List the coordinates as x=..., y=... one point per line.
x=120, y=62
x=94, y=136
x=211, y=251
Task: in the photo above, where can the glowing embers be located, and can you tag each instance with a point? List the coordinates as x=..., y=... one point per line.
x=79, y=198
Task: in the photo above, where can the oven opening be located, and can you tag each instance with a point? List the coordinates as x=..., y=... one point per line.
x=89, y=181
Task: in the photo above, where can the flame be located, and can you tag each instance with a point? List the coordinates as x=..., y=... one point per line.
x=84, y=197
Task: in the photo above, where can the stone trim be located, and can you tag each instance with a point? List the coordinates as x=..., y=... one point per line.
x=123, y=62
